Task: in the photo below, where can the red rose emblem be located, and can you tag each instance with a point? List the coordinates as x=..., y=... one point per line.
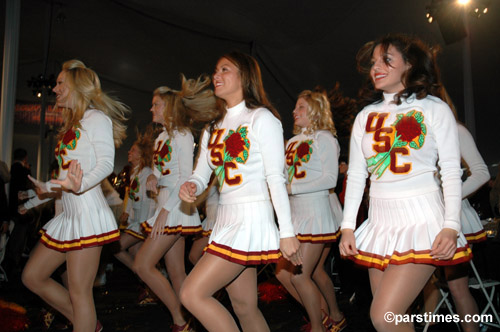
x=409, y=128
x=302, y=150
x=68, y=137
x=133, y=185
x=164, y=151
x=235, y=145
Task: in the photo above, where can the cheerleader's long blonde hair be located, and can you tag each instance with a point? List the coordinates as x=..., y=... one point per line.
x=186, y=109
x=85, y=92
x=318, y=112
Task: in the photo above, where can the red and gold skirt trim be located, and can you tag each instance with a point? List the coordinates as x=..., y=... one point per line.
x=243, y=257
x=319, y=238
x=476, y=237
x=134, y=234
x=183, y=230
x=81, y=243
x=370, y=260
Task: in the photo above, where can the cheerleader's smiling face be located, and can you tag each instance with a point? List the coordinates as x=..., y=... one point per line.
x=388, y=69
x=227, y=82
x=158, y=108
x=300, y=118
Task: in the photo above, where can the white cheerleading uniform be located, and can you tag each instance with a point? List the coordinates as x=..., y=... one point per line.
x=173, y=163
x=400, y=147
x=336, y=207
x=86, y=219
x=211, y=205
x=311, y=163
x=479, y=175
x=139, y=207
x=247, y=152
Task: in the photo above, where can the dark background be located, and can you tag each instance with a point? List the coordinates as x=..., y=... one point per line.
x=138, y=45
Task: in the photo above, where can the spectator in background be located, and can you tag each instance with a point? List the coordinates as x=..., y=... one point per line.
x=19, y=181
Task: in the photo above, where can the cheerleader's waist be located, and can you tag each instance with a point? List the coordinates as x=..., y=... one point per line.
x=410, y=186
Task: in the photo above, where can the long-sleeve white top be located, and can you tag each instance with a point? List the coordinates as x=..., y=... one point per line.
x=400, y=147
x=247, y=152
x=312, y=163
x=139, y=206
x=479, y=174
x=173, y=163
x=92, y=144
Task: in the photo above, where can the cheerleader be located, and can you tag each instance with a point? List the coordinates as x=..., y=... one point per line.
x=399, y=139
x=457, y=276
x=173, y=219
x=245, y=147
x=93, y=126
x=311, y=161
x=140, y=207
x=211, y=203
x=477, y=176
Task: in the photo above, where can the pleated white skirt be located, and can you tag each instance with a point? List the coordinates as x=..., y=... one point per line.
x=338, y=215
x=402, y=230
x=209, y=222
x=134, y=228
x=471, y=224
x=312, y=219
x=183, y=218
x=245, y=233
x=86, y=221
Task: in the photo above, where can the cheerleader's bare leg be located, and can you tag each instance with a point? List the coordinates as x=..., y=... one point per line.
x=394, y=290
x=284, y=273
x=37, y=277
x=82, y=266
x=135, y=248
x=124, y=256
x=145, y=261
x=464, y=302
x=308, y=290
x=210, y=274
x=197, y=249
x=174, y=262
x=326, y=287
x=244, y=299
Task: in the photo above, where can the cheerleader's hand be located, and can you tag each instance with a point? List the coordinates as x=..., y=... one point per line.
x=347, y=246
x=159, y=227
x=40, y=187
x=290, y=249
x=73, y=180
x=187, y=192
x=152, y=184
x=445, y=244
